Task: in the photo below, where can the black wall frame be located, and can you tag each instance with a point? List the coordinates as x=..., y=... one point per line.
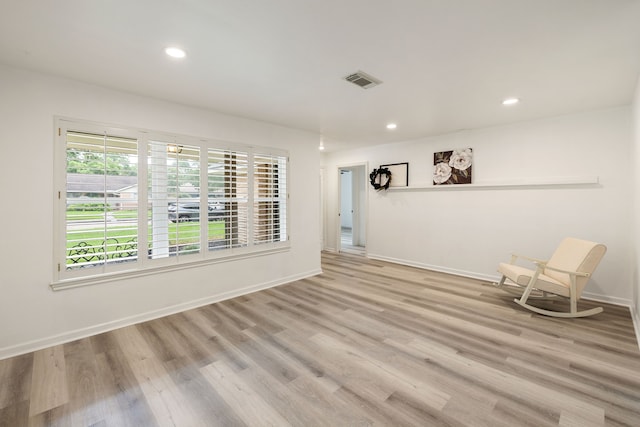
x=399, y=174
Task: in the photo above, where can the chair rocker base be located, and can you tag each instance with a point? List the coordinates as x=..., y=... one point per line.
x=517, y=290
x=564, y=314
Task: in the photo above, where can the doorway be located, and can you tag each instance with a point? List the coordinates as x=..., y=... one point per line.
x=352, y=214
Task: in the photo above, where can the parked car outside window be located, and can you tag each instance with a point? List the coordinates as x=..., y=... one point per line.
x=190, y=211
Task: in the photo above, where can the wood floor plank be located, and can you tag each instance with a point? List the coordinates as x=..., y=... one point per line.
x=15, y=414
x=168, y=404
x=522, y=391
x=292, y=406
x=48, y=380
x=334, y=411
x=217, y=347
x=364, y=343
x=84, y=408
x=340, y=368
x=55, y=417
x=387, y=372
x=248, y=404
x=15, y=377
x=119, y=391
x=203, y=402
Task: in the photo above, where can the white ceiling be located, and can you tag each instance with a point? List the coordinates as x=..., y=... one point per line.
x=446, y=65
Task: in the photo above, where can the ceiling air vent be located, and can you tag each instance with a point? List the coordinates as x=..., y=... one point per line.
x=363, y=80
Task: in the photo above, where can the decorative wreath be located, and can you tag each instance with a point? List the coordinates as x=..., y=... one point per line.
x=377, y=181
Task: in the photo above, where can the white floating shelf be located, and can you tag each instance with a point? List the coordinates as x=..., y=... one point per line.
x=528, y=182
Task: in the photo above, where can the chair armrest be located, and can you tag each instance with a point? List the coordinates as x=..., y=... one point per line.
x=573, y=273
x=515, y=256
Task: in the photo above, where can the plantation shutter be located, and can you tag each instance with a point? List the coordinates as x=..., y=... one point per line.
x=269, y=199
x=174, y=209
x=101, y=223
x=228, y=192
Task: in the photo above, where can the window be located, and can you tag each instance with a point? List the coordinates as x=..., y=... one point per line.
x=228, y=189
x=173, y=199
x=269, y=203
x=100, y=168
x=131, y=201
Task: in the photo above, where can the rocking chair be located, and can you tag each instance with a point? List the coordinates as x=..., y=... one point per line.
x=565, y=274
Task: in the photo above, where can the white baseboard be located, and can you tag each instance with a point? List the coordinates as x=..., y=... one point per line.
x=39, y=344
x=455, y=272
x=606, y=298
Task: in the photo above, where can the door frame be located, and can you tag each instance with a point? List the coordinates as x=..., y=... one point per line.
x=362, y=219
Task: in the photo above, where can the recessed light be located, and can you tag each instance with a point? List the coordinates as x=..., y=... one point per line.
x=175, y=52
x=392, y=126
x=510, y=101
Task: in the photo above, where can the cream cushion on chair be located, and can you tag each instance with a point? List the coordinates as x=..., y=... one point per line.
x=522, y=276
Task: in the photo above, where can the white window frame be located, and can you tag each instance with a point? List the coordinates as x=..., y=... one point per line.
x=64, y=278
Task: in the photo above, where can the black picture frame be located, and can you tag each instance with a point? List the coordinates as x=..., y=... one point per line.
x=399, y=174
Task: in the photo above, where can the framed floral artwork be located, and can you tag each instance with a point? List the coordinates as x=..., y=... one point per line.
x=453, y=167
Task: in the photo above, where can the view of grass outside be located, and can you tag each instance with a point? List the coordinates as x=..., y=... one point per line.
x=98, y=215
x=94, y=237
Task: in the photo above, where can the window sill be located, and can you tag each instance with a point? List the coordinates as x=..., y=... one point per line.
x=77, y=282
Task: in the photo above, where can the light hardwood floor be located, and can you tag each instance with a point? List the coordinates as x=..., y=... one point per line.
x=364, y=343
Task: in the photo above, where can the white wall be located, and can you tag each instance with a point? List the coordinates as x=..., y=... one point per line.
x=471, y=231
x=636, y=210
x=31, y=315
